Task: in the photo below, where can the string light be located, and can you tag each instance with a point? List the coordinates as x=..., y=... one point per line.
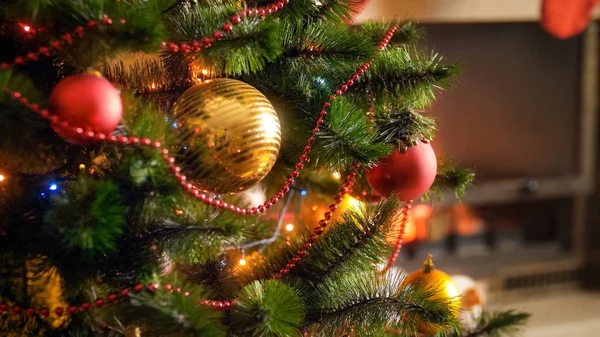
x=204, y=72
x=53, y=187
x=2, y=178
x=289, y=227
x=26, y=28
x=178, y=212
x=336, y=175
x=243, y=260
x=82, y=166
x=303, y=193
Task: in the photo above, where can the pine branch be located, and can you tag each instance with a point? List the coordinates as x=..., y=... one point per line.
x=143, y=29
x=403, y=127
x=372, y=302
x=165, y=313
x=450, y=178
x=22, y=131
x=356, y=243
x=498, y=324
x=267, y=308
x=247, y=49
x=407, y=76
x=347, y=137
x=407, y=32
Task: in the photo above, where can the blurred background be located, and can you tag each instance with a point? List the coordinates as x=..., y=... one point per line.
x=524, y=116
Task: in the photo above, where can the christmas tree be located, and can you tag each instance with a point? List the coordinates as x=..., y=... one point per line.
x=217, y=168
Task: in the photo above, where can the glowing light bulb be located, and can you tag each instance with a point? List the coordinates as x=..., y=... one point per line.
x=336, y=175
x=2, y=178
x=242, y=262
x=204, y=71
x=153, y=85
x=53, y=187
x=82, y=166
x=289, y=227
x=303, y=192
x=26, y=28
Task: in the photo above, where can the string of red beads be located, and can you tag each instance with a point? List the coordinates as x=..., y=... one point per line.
x=74, y=309
x=100, y=302
x=58, y=43
x=303, y=251
x=403, y=220
x=176, y=170
x=226, y=28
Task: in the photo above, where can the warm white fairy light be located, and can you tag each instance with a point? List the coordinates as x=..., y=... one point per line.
x=242, y=262
x=2, y=178
x=289, y=227
x=336, y=175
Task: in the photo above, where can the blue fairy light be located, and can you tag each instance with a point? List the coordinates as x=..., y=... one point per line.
x=53, y=187
x=303, y=192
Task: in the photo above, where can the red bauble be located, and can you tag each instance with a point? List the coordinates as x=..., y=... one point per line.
x=85, y=101
x=565, y=19
x=407, y=174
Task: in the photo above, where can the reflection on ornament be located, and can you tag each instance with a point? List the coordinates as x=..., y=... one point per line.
x=354, y=203
x=254, y=195
x=228, y=135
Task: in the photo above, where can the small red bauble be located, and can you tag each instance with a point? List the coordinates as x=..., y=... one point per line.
x=72, y=310
x=407, y=174
x=85, y=101
x=44, y=312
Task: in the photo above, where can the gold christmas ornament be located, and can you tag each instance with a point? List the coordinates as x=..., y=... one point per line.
x=228, y=135
x=444, y=290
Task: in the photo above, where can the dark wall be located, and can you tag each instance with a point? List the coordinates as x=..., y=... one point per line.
x=514, y=110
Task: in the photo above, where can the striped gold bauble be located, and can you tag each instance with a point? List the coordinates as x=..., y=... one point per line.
x=228, y=135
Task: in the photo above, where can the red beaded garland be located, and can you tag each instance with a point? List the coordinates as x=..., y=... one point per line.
x=99, y=302
x=44, y=312
x=72, y=310
x=17, y=310
x=403, y=220
x=59, y=311
x=147, y=142
x=85, y=306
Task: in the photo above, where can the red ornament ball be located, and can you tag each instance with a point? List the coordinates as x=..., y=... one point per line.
x=85, y=101
x=407, y=174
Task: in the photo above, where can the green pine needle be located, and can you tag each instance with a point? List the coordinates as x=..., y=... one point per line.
x=269, y=309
